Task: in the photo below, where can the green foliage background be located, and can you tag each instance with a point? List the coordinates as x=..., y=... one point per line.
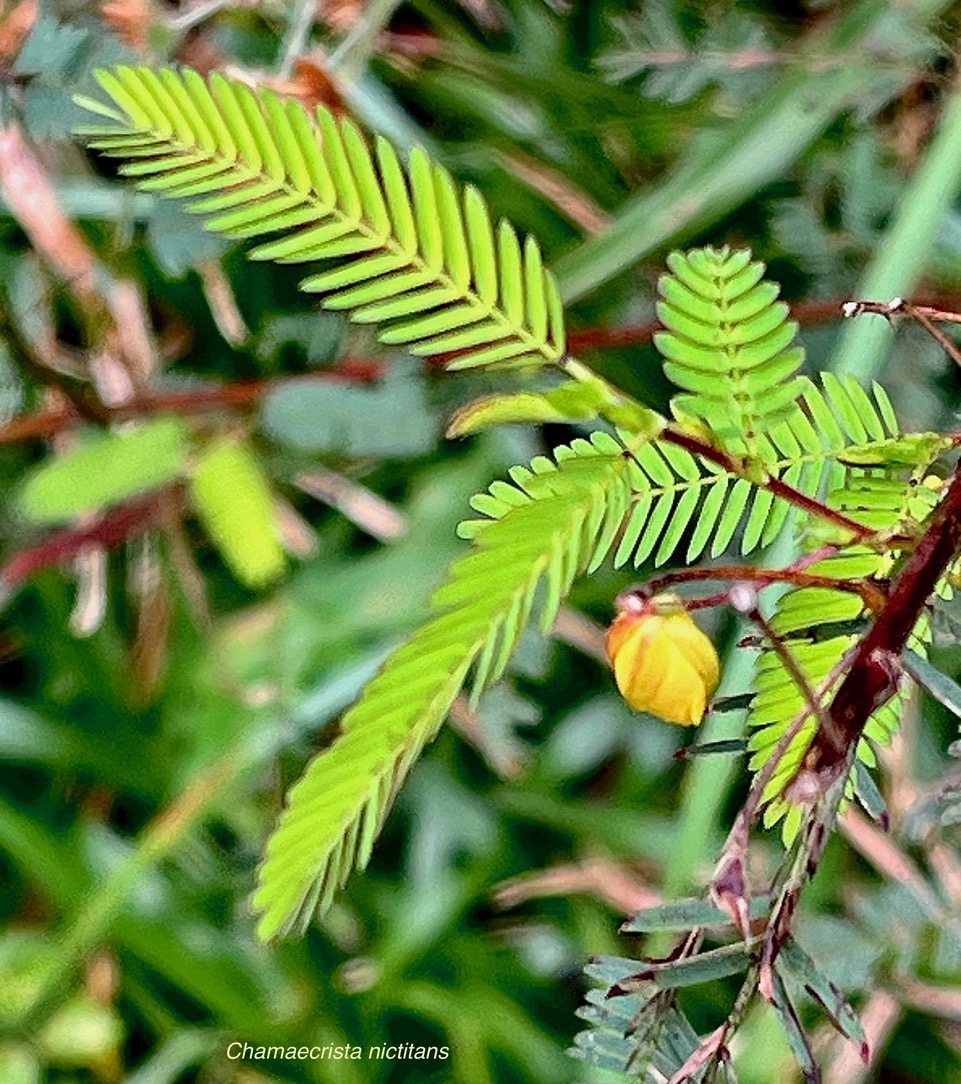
x=823, y=136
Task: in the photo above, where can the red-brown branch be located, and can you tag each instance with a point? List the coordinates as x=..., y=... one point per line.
x=111, y=529
x=45, y=424
x=246, y=393
x=871, y=593
x=872, y=679
x=610, y=338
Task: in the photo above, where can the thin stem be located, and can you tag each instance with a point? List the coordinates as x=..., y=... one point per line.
x=47, y=368
x=872, y=595
x=809, y=855
x=611, y=338
x=240, y=395
x=348, y=59
x=897, y=306
x=111, y=529
x=299, y=26
x=936, y=333
x=936, y=313
x=925, y=315
x=790, y=664
x=186, y=20
x=45, y=424
x=786, y=492
x=737, y=840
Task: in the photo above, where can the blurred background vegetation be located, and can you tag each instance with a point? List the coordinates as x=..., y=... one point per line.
x=158, y=697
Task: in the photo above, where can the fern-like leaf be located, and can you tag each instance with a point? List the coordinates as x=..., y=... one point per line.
x=826, y=443
x=728, y=344
x=819, y=625
x=636, y=1037
x=402, y=246
x=556, y=519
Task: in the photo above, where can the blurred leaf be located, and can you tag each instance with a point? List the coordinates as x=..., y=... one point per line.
x=938, y=684
x=689, y=914
x=81, y=1033
x=317, y=334
x=762, y=1054
x=233, y=500
x=176, y=242
x=731, y=51
x=51, y=48
x=387, y=421
x=760, y=144
x=19, y=1065
x=898, y=263
x=49, y=112
x=180, y=1052
x=447, y=822
x=11, y=387
x=106, y=470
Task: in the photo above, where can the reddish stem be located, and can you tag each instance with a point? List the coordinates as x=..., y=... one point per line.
x=786, y=492
x=872, y=679
x=193, y=401
x=872, y=595
x=235, y=396
x=111, y=529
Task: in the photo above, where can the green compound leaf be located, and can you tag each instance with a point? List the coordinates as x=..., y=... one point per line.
x=797, y=1038
x=690, y=913
x=555, y=520
x=806, y=618
x=632, y=1033
x=678, y=497
x=728, y=344
x=232, y=498
x=401, y=246
x=628, y=1036
x=105, y=471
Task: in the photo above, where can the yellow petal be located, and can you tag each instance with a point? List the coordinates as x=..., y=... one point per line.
x=663, y=664
x=697, y=649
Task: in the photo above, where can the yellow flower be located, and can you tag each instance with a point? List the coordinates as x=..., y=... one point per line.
x=663, y=663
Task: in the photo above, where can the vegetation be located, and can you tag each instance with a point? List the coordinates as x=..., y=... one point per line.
x=224, y=516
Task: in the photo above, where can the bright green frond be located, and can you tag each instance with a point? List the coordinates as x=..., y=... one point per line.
x=820, y=625
x=404, y=247
x=813, y=449
x=553, y=521
x=728, y=344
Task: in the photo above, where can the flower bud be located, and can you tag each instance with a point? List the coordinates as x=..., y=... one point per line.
x=663, y=663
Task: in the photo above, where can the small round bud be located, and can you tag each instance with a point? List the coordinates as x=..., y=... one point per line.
x=743, y=597
x=662, y=662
